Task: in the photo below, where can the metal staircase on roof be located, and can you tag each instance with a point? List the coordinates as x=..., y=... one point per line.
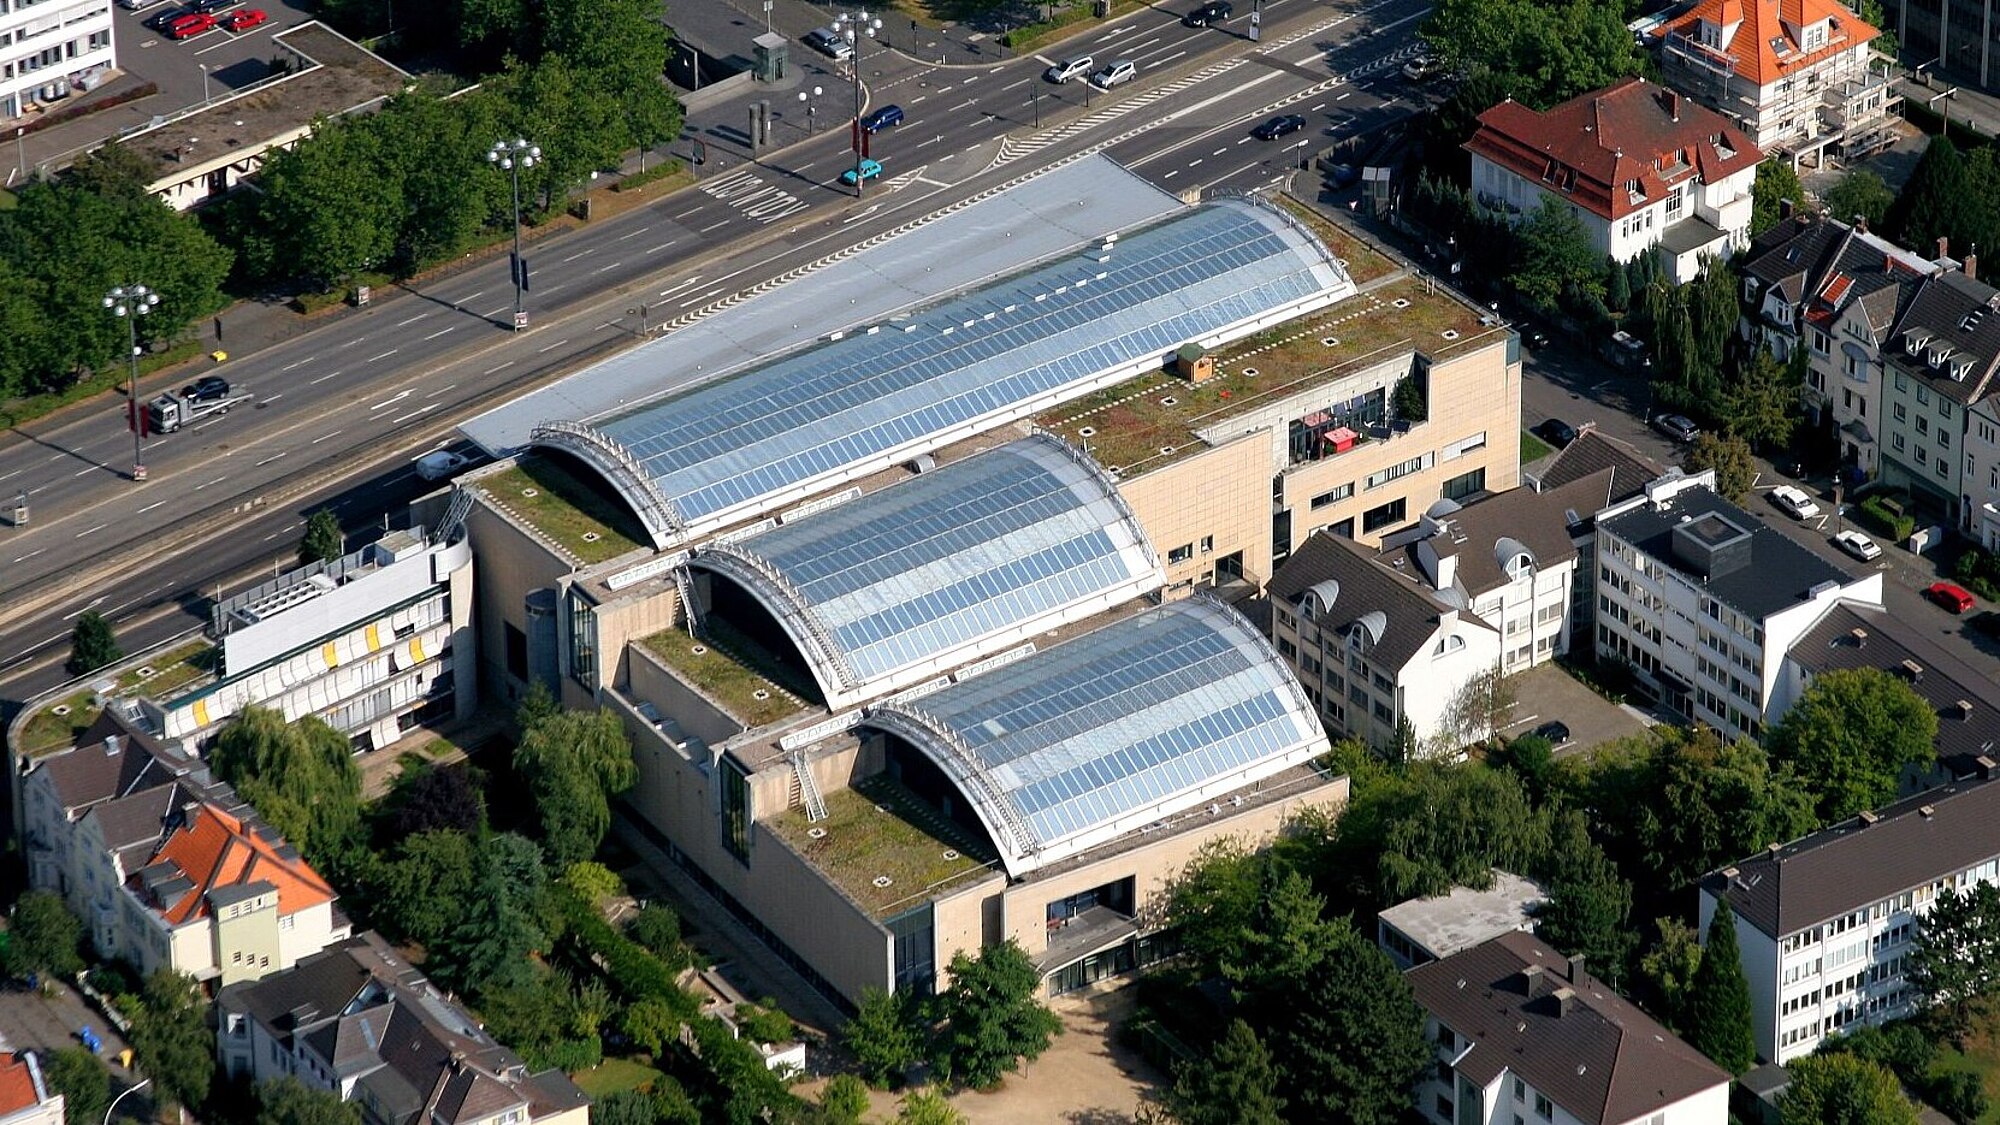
x=685, y=588
x=809, y=794
x=454, y=515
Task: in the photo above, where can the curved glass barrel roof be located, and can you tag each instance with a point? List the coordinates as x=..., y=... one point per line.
x=1120, y=727
x=915, y=579
x=733, y=449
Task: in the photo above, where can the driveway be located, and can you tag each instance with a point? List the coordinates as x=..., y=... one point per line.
x=45, y=1021
x=1549, y=693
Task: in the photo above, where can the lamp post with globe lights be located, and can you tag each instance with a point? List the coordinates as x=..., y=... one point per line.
x=511, y=157
x=129, y=303
x=857, y=28
x=811, y=101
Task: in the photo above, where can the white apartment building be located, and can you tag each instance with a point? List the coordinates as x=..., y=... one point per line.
x=1643, y=167
x=1837, y=290
x=1825, y=922
x=48, y=49
x=1982, y=469
x=1945, y=354
x=1703, y=600
x=1524, y=1034
x=1794, y=75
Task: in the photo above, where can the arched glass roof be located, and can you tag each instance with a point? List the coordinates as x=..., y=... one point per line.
x=1134, y=722
x=736, y=448
x=915, y=579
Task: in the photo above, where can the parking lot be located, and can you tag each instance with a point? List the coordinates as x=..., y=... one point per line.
x=1548, y=693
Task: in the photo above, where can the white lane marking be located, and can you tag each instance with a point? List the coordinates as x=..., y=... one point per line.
x=557, y=344
x=84, y=472
x=269, y=399
x=603, y=269
x=274, y=457
x=441, y=390
x=441, y=332
x=217, y=480
x=384, y=355
x=703, y=297
x=660, y=247
x=323, y=437
x=501, y=367
x=150, y=507
x=713, y=226
x=412, y=319
x=575, y=256
x=92, y=530
x=296, y=363
x=415, y=414
x=398, y=397
x=636, y=232
x=324, y=378
x=33, y=553
x=668, y=291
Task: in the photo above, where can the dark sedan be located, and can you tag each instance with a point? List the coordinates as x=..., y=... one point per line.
x=1208, y=15
x=1556, y=432
x=1283, y=125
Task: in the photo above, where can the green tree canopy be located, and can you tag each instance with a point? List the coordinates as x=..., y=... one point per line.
x=43, y=937
x=323, y=540
x=1937, y=200
x=1589, y=903
x=1843, y=1089
x=1776, y=181
x=416, y=892
x=1556, y=258
x=170, y=1038
x=989, y=1017
x=1434, y=827
x=1860, y=194
x=843, y=1100
x=1849, y=737
x=1668, y=970
x=430, y=798
x=1760, y=400
x=488, y=945
x=300, y=776
x=885, y=1037
x=83, y=1081
x=1955, y=964
x=1548, y=51
x=1730, y=457
x=92, y=645
x=1717, y=1008
x=928, y=1107
x=1234, y=1084
x=574, y=762
x=288, y=1101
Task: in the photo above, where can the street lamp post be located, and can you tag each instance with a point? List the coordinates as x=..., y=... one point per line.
x=130, y=302
x=204, y=82
x=857, y=27
x=511, y=157
x=811, y=103
x=122, y=1094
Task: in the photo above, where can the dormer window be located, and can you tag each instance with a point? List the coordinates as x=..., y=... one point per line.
x=1914, y=342
x=1961, y=368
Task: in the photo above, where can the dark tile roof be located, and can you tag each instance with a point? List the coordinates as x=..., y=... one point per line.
x=1598, y=1057
x=1864, y=860
x=1592, y=453
x=1855, y=636
x=1776, y=573
x=320, y=986
x=90, y=772
x=1409, y=614
x=1963, y=313
x=1792, y=253
x=1473, y=534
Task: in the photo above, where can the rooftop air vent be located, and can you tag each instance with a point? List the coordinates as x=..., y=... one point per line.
x=1914, y=671
x=951, y=853
x=1927, y=811
x=1868, y=817
x=1449, y=333
x=1249, y=373
x=883, y=881
x=530, y=493
x=1401, y=302
x=698, y=650
x=816, y=833
x=1329, y=341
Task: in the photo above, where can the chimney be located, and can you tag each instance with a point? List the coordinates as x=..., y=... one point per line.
x=1987, y=767
x=111, y=746
x=1576, y=969
x=1972, y=262
x=1529, y=976
x=1963, y=709
x=1785, y=207
x=1914, y=671
x=1927, y=811
x=1868, y=817
x=1861, y=223
x=1563, y=996
x=1859, y=635
x=1943, y=247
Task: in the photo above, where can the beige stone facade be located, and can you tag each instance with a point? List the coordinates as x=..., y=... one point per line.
x=1209, y=515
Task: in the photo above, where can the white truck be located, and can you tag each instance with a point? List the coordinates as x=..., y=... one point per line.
x=170, y=411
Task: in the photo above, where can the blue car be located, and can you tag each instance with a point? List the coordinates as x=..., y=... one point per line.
x=883, y=118
x=869, y=170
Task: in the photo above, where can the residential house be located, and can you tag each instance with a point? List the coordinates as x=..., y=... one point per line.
x=1825, y=923
x=1422, y=930
x=1524, y=1034
x=1982, y=476
x=355, y=1020
x=26, y=1098
x=1374, y=649
x=1643, y=168
x=1703, y=600
x=1947, y=349
x=1836, y=290
x=1795, y=75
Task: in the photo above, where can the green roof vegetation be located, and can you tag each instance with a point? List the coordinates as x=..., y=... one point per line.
x=1150, y=421
x=734, y=672
x=47, y=731
x=1364, y=262
x=555, y=502
x=59, y=725
x=879, y=829
x=190, y=663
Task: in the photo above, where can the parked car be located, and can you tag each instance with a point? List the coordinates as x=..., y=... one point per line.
x=1114, y=74
x=441, y=463
x=884, y=118
x=1534, y=337
x=1794, y=502
x=1859, y=545
x=162, y=19
x=1067, y=69
x=1208, y=15
x=1555, y=731
x=1950, y=595
x=247, y=19
x=829, y=42
x=1283, y=125
x=1679, y=427
x=208, y=388
x=869, y=170
x=1556, y=432
x=137, y=5
x=1423, y=68
x=210, y=7
x=191, y=25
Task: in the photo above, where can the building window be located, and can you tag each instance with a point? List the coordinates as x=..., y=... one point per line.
x=1374, y=519
x=1896, y=440
x=1207, y=544
x=1902, y=414
x=1180, y=554
x=1333, y=496
x=1544, y=1108
x=1398, y=471
x=1465, y=484
x=736, y=812
x=517, y=652
x=582, y=623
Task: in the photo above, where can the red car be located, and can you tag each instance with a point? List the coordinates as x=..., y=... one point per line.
x=247, y=19
x=189, y=26
x=1950, y=596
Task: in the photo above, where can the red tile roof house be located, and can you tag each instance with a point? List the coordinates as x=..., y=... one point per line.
x=1640, y=165
x=1795, y=75
x=26, y=1098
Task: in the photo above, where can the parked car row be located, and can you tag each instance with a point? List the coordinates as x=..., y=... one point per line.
x=200, y=18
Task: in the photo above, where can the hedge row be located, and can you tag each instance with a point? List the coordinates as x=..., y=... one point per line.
x=652, y=175
x=1888, y=520
x=633, y=972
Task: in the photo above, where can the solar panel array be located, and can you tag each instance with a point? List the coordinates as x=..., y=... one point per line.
x=990, y=543
x=825, y=409
x=1128, y=717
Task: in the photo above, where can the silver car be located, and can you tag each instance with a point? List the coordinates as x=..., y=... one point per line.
x=829, y=42
x=1067, y=69
x=1858, y=545
x=1114, y=74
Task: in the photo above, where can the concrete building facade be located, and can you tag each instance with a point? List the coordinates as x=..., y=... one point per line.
x=50, y=49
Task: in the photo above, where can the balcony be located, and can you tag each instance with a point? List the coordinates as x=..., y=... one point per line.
x=1091, y=930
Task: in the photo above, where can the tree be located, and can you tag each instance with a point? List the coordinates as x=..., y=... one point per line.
x=323, y=541
x=428, y=798
x=1437, y=827
x=301, y=777
x=1761, y=403
x=416, y=894
x=593, y=882
x=1235, y=1083
x=92, y=645
x=651, y=1023
x=1861, y=194
x=287, y=1101
x=1936, y=201
x=1718, y=1003
x=1407, y=403
x=328, y=211
x=1348, y=1037
x=1776, y=181
x=1547, y=52
x=658, y=929
x=1961, y=1096
x=1556, y=258
x=1849, y=737
x=1955, y=963
x=1617, y=285
x=488, y=946
x=885, y=1037
x=1729, y=456
x=83, y=1082
x=1589, y=903
x=43, y=937
x=928, y=1107
x=1843, y=1089
x=1885, y=44
x=170, y=1037
x=989, y=1016
x=1474, y=711
x=843, y=1100
x=573, y=763
x=1669, y=969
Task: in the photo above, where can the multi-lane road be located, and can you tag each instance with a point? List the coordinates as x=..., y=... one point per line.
x=340, y=411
